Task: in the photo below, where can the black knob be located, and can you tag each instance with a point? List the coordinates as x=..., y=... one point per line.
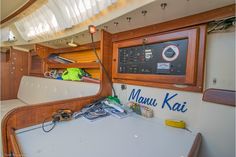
x=169, y=53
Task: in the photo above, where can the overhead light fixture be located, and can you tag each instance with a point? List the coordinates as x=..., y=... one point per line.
x=72, y=43
x=11, y=37
x=92, y=29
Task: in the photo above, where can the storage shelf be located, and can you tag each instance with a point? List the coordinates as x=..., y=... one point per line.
x=76, y=49
x=88, y=65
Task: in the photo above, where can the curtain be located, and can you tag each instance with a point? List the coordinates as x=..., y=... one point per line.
x=58, y=15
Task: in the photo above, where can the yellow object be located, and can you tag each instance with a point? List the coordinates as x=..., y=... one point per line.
x=175, y=123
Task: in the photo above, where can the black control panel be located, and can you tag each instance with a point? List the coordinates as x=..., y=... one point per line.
x=167, y=58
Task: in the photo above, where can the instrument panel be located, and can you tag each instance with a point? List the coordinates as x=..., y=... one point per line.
x=166, y=58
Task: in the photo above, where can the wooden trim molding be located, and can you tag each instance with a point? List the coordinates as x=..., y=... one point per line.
x=196, y=146
x=193, y=20
x=76, y=49
x=191, y=66
x=17, y=12
x=14, y=143
x=220, y=96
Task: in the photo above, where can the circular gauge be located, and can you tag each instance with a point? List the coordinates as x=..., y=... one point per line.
x=170, y=53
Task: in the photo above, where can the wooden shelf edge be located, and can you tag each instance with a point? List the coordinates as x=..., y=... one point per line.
x=76, y=49
x=196, y=146
x=159, y=85
x=88, y=65
x=219, y=96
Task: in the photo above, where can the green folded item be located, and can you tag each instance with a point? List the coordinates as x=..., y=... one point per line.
x=114, y=99
x=74, y=74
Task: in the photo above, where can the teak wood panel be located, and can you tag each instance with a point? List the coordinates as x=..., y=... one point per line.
x=220, y=96
x=76, y=49
x=35, y=114
x=81, y=56
x=5, y=81
x=199, y=74
x=37, y=65
x=85, y=59
x=95, y=73
x=43, y=51
x=191, y=65
x=14, y=143
x=12, y=72
x=88, y=65
x=194, y=151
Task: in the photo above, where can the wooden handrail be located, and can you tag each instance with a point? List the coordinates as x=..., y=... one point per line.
x=14, y=144
x=196, y=146
x=220, y=96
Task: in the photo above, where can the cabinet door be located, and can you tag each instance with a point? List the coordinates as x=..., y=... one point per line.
x=18, y=68
x=36, y=65
x=25, y=61
x=5, y=82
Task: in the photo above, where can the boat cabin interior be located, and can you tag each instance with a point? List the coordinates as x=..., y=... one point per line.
x=117, y=78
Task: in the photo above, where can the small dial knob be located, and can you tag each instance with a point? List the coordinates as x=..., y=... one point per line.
x=170, y=53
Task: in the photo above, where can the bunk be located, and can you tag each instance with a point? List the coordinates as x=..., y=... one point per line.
x=161, y=66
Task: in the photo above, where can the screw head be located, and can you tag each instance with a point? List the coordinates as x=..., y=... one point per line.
x=163, y=5
x=144, y=12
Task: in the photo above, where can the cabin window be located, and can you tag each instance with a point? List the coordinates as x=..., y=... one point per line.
x=57, y=15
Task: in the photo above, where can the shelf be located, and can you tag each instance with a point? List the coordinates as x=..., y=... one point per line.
x=88, y=65
x=76, y=49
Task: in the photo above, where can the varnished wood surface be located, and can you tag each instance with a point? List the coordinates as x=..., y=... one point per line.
x=5, y=82
x=81, y=56
x=87, y=65
x=42, y=51
x=191, y=66
x=220, y=96
x=196, y=146
x=76, y=49
x=36, y=64
x=14, y=144
x=193, y=81
x=11, y=73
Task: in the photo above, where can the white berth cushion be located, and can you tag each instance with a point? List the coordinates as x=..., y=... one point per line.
x=34, y=90
x=8, y=105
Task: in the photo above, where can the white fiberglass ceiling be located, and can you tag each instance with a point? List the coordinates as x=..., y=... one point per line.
x=10, y=6
x=118, y=14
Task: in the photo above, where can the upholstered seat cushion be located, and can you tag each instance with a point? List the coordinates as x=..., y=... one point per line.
x=8, y=105
x=35, y=90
